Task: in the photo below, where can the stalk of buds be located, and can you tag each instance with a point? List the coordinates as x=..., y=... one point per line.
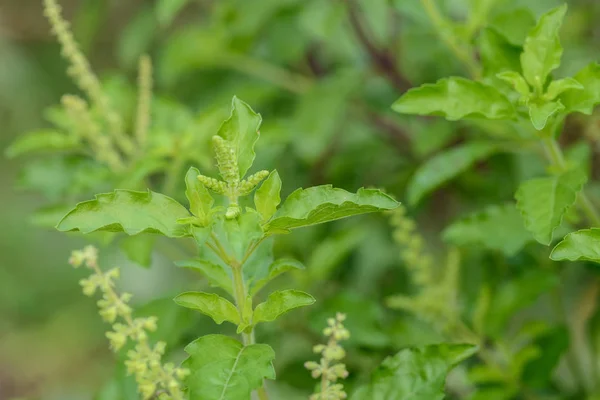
x=144, y=361
x=329, y=369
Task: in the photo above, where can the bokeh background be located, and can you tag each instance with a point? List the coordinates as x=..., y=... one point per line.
x=323, y=74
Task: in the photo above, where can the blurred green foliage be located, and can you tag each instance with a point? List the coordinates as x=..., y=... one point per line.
x=323, y=74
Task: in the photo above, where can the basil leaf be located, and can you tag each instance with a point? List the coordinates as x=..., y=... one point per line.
x=223, y=368
x=319, y=204
x=127, y=211
x=456, y=98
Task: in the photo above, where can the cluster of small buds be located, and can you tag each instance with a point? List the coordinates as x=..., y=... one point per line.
x=144, y=361
x=329, y=369
x=142, y=120
x=248, y=185
x=213, y=184
x=226, y=160
x=89, y=130
x=405, y=234
x=80, y=69
x=231, y=187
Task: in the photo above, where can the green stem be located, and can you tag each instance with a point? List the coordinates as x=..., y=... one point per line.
x=239, y=289
x=262, y=393
x=557, y=159
x=274, y=74
x=444, y=30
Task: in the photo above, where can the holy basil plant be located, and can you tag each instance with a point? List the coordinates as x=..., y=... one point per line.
x=235, y=243
x=518, y=92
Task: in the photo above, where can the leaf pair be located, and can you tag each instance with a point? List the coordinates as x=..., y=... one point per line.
x=221, y=309
x=544, y=201
x=134, y=212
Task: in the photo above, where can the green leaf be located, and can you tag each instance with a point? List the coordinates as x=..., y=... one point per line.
x=542, y=50
x=455, y=98
x=445, y=166
x=515, y=295
x=517, y=81
x=127, y=211
x=540, y=112
x=497, y=54
x=514, y=25
x=139, y=248
x=211, y=304
x=200, y=200
x=266, y=197
x=544, y=201
x=319, y=204
x=583, y=101
x=215, y=273
x=279, y=303
x=560, y=86
x=241, y=130
x=496, y=228
x=554, y=343
x=414, y=373
x=167, y=10
x=222, y=368
x=321, y=110
x=277, y=268
x=581, y=245
x=41, y=141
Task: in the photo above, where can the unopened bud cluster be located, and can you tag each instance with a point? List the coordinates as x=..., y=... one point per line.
x=413, y=253
x=143, y=361
x=329, y=369
x=231, y=185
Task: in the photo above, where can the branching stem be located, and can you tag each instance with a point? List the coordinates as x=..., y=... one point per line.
x=445, y=32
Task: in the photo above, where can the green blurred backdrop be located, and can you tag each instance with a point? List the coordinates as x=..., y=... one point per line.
x=323, y=76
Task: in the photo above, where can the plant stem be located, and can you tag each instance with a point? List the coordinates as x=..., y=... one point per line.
x=268, y=72
x=262, y=393
x=239, y=290
x=444, y=30
x=557, y=159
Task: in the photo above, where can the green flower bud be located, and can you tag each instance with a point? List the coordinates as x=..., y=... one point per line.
x=226, y=160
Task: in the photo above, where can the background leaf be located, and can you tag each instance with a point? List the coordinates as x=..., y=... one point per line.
x=542, y=50
x=445, y=166
x=139, y=248
x=41, y=141
x=581, y=245
x=584, y=100
x=167, y=10
x=544, y=201
x=496, y=228
x=414, y=374
x=455, y=98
